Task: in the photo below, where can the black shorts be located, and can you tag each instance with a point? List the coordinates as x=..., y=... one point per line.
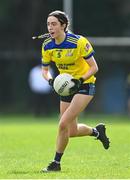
x=86, y=89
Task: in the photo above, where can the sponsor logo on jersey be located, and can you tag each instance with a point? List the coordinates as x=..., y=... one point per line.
x=69, y=53
x=65, y=66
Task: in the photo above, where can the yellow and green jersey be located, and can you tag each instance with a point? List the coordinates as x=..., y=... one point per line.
x=70, y=56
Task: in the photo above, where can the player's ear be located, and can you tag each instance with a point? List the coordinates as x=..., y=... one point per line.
x=63, y=26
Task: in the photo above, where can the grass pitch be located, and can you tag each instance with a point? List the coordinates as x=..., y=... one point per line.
x=27, y=144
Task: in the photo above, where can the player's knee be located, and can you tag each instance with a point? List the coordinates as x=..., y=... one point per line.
x=63, y=126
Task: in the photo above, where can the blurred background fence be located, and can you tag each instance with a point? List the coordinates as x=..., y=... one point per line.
x=105, y=23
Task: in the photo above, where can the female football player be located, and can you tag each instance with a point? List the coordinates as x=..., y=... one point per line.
x=72, y=54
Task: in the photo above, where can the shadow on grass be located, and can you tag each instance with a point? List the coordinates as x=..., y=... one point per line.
x=24, y=172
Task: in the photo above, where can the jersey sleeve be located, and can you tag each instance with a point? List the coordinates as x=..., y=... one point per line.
x=86, y=49
x=46, y=57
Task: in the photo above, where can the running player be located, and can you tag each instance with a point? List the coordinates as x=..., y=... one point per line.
x=72, y=54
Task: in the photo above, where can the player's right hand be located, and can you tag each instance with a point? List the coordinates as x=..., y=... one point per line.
x=51, y=81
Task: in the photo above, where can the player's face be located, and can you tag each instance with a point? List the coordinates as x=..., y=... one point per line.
x=54, y=27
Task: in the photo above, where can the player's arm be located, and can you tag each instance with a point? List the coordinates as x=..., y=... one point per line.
x=46, y=73
x=46, y=59
x=93, y=68
x=87, y=53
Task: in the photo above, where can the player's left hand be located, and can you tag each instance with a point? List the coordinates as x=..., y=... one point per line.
x=77, y=84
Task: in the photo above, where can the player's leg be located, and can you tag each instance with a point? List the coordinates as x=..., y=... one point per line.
x=73, y=124
x=75, y=129
x=69, y=113
x=63, y=107
x=68, y=126
x=80, y=129
x=83, y=130
x=76, y=106
x=55, y=164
